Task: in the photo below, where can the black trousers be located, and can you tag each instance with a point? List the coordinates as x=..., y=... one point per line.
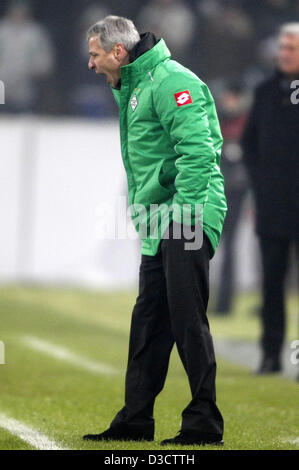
x=171, y=308
x=275, y=260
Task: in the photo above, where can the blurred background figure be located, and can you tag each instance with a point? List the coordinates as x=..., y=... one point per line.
x=26, y=59
x=232, y=110
x=171, y=19
x=271, y=143
x=228, y=40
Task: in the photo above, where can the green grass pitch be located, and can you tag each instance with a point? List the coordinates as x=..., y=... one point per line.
x=64, y=400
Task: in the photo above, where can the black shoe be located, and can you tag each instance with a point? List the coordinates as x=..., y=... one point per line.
x=185, y=439
x=269, y=365
x=121, y=433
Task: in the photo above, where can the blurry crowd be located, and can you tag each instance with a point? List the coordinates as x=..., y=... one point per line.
x=223, y=41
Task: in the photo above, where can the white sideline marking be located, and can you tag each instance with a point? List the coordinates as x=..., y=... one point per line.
x=33, y=438
x=66, y=355
x=292, y=441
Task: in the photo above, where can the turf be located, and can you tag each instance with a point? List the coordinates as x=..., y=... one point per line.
x=64, y=401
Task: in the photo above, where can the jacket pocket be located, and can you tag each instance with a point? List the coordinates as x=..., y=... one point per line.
x=167, y=175
x=153, y=192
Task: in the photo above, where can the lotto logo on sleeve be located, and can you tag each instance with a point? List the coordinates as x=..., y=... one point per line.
x=183, y=97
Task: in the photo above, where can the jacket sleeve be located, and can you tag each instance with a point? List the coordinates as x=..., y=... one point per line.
x=190, y=128
x=249, y=140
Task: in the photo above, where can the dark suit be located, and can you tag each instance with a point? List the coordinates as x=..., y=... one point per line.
x=271, y=155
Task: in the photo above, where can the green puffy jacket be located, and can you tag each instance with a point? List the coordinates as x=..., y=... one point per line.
x=170, y=141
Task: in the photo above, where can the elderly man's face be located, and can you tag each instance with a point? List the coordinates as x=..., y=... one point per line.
x=288, y=56
x=107, y=63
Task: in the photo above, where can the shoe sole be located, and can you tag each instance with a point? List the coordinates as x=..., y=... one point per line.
x=217, y=443
x=115, y=439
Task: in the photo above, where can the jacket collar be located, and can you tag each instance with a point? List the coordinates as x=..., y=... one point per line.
x=147, y=41
x=148, y=59
x=147, y=53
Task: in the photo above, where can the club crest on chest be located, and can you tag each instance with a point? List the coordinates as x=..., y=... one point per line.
x=134, y=103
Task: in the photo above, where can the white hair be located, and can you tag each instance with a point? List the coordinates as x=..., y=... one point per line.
x=114, y=29
x=289, y=29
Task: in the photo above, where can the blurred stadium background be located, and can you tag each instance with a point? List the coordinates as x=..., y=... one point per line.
x=64, y=286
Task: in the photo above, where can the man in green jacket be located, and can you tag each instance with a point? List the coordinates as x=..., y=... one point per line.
x=171, y=146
